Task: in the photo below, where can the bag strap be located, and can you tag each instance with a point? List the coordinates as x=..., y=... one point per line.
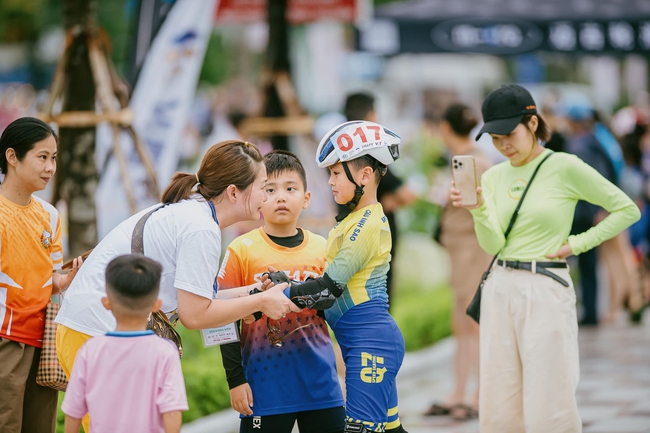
x=513, y=218
x=137, y=247
x=137, y=242
x=521, y=200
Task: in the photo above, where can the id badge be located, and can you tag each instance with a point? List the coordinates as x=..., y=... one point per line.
x=221, y=335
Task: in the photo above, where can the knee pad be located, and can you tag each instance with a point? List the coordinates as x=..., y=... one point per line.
x=354, y=427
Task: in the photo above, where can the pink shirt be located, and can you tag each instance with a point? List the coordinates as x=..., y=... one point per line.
x=125, y=381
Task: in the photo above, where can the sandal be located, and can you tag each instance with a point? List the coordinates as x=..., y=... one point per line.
x=462, y=412
x=438, y=410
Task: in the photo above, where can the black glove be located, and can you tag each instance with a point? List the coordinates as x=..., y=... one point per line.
x=321, y=300
x=317, y=301
x=318, y=293
x=277, y=277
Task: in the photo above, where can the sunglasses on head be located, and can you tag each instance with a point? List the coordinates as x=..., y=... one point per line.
x=275, y=332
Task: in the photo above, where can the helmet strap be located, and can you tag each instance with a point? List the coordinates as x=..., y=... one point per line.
x=358, y=193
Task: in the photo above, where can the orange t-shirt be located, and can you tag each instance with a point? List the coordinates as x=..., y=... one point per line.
x=30, y=250
x=249, y=256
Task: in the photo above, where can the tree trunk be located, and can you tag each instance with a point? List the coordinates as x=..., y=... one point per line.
x=277, y=61
x=77, y=175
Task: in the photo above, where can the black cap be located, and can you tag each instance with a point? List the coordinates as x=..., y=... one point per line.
x=504, y=108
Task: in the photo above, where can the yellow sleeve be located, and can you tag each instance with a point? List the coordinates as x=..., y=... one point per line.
x=359, y=245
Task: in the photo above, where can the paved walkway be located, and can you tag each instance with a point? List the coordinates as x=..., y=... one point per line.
x=613, y=395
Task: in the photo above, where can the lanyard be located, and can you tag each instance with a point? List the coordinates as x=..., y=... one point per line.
x=214, y=212
x=215, y=286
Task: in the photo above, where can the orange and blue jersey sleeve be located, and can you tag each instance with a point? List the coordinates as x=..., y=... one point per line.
x=232, y=273
x=275, y=374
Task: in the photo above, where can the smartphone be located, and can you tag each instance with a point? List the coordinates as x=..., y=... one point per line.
x=69, y=264
x=463, y=168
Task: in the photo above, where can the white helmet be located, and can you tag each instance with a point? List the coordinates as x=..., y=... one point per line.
x=351, y=140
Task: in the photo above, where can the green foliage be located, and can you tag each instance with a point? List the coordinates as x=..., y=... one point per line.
x=421, y=217
x=219, y=64
x=205, y=378
x=383, y=2
x=422, y=315
x=60, y=417
x=17, y=20
x=112, y=17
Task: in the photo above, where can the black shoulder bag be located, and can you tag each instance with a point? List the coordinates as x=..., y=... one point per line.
x=474, y=308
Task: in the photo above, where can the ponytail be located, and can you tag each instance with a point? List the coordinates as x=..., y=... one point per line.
x=180, y=188
x=231, y=162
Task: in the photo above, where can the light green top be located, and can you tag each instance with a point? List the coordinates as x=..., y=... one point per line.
x=546, y=216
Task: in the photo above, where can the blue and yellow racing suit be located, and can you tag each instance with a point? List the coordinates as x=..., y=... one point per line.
x=358, y=256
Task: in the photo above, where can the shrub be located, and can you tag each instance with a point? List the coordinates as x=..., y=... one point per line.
x=205, y=378
x=423, y=315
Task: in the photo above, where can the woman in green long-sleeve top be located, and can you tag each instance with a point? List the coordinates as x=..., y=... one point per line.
x=529, y=365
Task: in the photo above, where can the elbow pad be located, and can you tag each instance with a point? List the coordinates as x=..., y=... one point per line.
x=318, y=294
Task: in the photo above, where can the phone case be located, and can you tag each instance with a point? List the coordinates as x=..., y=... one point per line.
x=463, y=168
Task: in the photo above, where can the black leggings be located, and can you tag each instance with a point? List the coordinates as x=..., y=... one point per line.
x=311, y=421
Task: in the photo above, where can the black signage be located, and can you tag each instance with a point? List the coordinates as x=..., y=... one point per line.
x=487, y=36
x=515, y=36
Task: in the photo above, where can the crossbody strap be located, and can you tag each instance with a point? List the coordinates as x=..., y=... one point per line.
x=513, y=218
x=521, y=200
x=137, y=247
x=137, y=242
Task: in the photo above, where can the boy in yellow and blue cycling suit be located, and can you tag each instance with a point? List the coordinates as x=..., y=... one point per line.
x=352, y=291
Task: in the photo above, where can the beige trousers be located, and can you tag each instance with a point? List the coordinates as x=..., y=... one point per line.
x=529, y=365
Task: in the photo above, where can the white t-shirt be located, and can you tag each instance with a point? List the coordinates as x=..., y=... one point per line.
x=183, y=237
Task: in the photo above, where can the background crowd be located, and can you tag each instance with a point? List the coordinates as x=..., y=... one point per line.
x=597, y=106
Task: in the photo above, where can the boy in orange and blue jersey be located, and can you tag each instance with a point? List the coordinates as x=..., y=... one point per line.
x=283, y=371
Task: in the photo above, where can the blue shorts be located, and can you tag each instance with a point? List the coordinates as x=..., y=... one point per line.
x=373, y=351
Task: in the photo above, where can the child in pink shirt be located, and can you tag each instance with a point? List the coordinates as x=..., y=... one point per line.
x=129, y=380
